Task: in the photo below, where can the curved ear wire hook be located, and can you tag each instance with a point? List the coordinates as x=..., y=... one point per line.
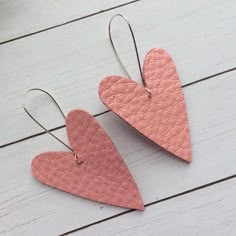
x=37, y=122
x=135, y=46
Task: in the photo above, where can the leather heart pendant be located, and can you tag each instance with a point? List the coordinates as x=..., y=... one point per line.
x=162, y=117
x=103, y=175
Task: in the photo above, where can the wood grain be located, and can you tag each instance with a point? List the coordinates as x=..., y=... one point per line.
x=70, y=61
x=19, y=18
x=210, y=211
x=28, y=207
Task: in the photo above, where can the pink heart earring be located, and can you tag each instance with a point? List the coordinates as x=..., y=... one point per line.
x=92, y=168
x=157, y=109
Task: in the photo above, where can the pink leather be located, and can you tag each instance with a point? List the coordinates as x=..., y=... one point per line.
x=103, y=176
x=162, y=117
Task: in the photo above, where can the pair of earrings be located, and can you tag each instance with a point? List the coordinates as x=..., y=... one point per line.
x=93, y=168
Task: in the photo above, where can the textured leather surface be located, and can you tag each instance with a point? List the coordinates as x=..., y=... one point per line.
x=103, y=176
x=162, y=117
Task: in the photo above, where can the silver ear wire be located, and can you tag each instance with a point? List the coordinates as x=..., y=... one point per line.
x=135, y=46
x=37, y=122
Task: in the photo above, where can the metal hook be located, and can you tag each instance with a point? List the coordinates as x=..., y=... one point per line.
x=37, y=122
x=136, y=50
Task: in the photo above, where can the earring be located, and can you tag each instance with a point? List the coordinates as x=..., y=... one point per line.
x=157, y=109
x=92, y=168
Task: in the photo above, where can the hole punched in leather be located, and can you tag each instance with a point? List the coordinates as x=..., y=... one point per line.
x=48, y=131
x=136, y=51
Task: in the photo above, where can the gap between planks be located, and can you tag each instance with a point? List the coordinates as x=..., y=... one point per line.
x=152, y=203
x=68, y=22
x=99, y=114
x=208, y=211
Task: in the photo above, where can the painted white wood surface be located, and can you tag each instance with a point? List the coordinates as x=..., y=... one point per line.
x=18, y=18
x=210, y=211
x=28, y=207
x=70, y=61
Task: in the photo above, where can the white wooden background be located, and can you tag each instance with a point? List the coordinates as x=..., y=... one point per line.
x=63, y=47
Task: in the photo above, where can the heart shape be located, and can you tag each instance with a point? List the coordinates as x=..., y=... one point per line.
x=103, y=176
x=162, y=117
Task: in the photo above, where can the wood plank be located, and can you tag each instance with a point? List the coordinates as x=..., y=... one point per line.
x=26, y=17
x=28, y=207
x=210, y=211
x=70, y=61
